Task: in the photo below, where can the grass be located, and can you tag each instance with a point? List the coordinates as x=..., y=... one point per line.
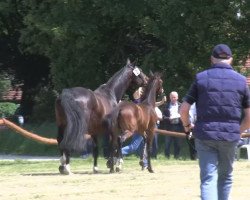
x=14, y=143
x=78, y=164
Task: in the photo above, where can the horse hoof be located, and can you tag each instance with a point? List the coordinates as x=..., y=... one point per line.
x=64, y=170
x=141, y=163
x=150, y=170
x=117, y=169
x=144, y=168
x=108, y=164
x=61, y=169
x=95, y=170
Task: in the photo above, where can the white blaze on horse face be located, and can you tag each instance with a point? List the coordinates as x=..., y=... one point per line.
x=136, y=71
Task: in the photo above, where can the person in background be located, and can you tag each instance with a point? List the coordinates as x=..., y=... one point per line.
x=172, y=122
x=20, y=120
x=161, y=99
x=221, y=94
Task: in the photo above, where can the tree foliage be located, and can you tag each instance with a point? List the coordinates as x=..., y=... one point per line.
x=87, y=41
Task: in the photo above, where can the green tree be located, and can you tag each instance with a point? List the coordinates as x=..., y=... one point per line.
x=26, y=68
x=5, y=83
x=85, y=42
x=88, y=40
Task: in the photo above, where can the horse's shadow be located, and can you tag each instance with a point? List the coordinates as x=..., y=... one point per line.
x=100, y=172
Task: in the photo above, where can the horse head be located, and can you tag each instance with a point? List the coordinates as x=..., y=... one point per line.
x=154, y=81
x=159, y=89
x=139, y=79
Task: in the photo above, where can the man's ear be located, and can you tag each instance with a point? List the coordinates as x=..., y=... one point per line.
x=230, y=60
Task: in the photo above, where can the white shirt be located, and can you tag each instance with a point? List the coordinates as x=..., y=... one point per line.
x=159, y=114
x=174, y=111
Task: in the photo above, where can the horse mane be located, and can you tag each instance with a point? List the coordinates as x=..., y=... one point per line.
x=114, y=81
x=114, y=77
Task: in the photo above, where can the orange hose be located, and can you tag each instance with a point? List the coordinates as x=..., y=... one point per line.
x=171, y=133
x=183, y=135
x=28, y=134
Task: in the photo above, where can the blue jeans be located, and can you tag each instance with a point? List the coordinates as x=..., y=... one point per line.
x=134, y=146
x=216, y=168
x=137, y=139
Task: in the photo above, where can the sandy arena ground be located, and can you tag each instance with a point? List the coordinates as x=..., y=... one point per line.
x=169, y=182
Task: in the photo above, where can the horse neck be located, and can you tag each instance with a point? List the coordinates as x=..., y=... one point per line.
x=119, y=83
x=150, y=94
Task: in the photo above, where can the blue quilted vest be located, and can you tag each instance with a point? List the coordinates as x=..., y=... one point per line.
x=219, y=103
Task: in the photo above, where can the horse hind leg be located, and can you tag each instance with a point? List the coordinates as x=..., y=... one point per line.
x=145, y=160
x=144, y=157
x=149, y=150
x=95, y=154
x=119, y=161
x=64, y=168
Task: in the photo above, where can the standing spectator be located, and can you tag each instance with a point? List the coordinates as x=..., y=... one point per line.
x=172, y=122
x=221, y=94
x=162, y=99
x=20, y=120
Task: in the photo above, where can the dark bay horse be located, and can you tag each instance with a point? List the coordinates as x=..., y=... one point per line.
x=128, y=118
x=80, y=111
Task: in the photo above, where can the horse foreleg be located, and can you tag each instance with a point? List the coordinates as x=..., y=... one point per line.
x=95, y=154
x=114, y=155
x=64, y=168
x=144, y=156
x=119, y=161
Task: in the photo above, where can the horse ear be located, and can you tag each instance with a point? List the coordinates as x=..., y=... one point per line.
x=128, y=61
x=151, y=73
x=131, y=61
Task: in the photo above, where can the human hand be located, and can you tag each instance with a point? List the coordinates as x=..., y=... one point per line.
x=191, y=126
x=188, y=128
x=164, y=99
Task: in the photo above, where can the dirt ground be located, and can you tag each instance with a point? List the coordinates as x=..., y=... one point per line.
x=169, y=182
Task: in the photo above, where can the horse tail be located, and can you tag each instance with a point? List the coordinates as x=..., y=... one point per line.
x=74, y=137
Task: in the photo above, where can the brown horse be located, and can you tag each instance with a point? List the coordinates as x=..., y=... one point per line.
x=80, y=111
x=129, y=117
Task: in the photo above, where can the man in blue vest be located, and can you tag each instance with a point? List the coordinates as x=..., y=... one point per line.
x=221, y=94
